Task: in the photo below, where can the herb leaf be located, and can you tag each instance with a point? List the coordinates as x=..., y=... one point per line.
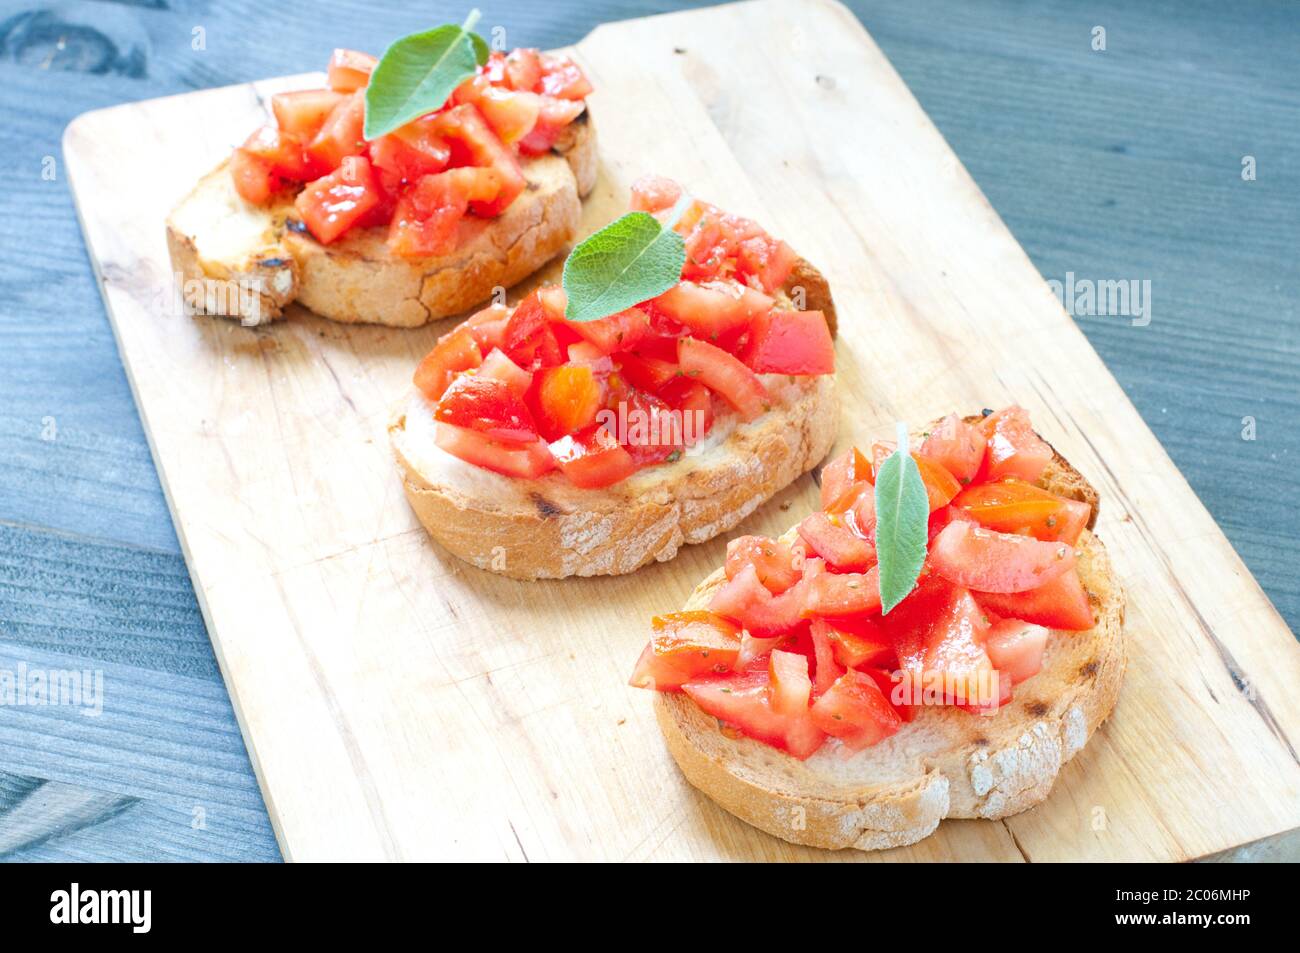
x=419, y=72
x=902, y=520
x=628, y=261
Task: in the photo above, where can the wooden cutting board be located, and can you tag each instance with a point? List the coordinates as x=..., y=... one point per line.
x=399, y=704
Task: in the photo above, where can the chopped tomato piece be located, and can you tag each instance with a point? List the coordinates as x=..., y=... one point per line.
x=956, y=446
x=855, y=710
x=652, y=431
x=860, y=644
x=497, y=366
x=474, y=143
x=340, y=135
x=487, y=406
x=977, y=558
x=592, y=458
x=511, y=114
x=1059, y=604
x=789, y=342
x=686, y=645
x=568, y=398
x=647, y=373
x=940, y=485
x=284, y=151
x=350, y=70
x=1014, y=506
x=563, y=78
x=724, y=374
x=743, y=701
x=831, y=539
x=254, y=180
x=827, y=668
x=714, y=310
x=489, y=326
x=860, y=517
x=455, y=351
x=552, y=119
x=1014, y=449
x=527, y=461
x=411, y=151
x=618, y=332
x=529, y=338
x=938, y=633
x=654, y=193
x=333, y=204
x=427, y=218
x=1016, y=648
x=522, y=69
x=777, y=564
x=754, y=652
x=746, y=600
x=304, y=111
x=693, y=400
x=769, y=261
x=844, y=594
x=791, y=687
x=845, y=471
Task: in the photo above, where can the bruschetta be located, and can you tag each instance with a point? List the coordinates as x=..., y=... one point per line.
x=542, y=447
x=786, y=695
x=417, y=224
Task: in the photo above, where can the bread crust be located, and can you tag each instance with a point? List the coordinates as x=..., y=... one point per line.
x=356, y=279
x=550, y=529
x=944, y=763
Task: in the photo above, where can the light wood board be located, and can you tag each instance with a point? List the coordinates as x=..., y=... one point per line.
x=399, y=704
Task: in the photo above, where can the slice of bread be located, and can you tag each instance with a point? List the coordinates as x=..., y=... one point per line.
x=946, y=762
x=246, y=261
x=549, y=529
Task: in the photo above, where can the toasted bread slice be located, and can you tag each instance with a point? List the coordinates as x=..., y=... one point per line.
x=249, y=262
x=944, y=763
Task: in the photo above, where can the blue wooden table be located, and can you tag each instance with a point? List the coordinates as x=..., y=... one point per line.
x=1170, y=156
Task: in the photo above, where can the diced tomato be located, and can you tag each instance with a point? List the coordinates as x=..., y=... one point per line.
x=956, y=446
x=618, y=332
x=1014, y=449
x=977, y=558
x=593, y=458
x=843, y=595
x=487, y=406
x=743, y=701
x=455, y=351
x=523, y=69
x=693, y=400
x=1016, y=648
x=790, y=342
x=777, y=564
x=723, y=374
x=427, y=218
x=340, y=135
x=527, y=461
x=1059, y=604
x=254, y=180
x=350, y=70
x=552, y=119
x=304, y=111
x=791, y=688
x=685, y=645
x=511, y=114
x=769, y=261
x=746, y=600
x=333, y=204
x=860, y=644
x=489, y=326
x=1014, y=506
x=568, y=397
x=474, y=143
x=654, y=193
x=855, y=710
x=284, y=151
x=647, y=373
x=529, y=338
x=563, y=78
x=411, y=151
x=940, y=485
x=938, y=633
x=653, y=431
x=889, y=680
x=860, y=517
x=754, y=652
x=829, y=538
x=714, y=310
x=827, y=668
x=499, y=367
x=846, y=470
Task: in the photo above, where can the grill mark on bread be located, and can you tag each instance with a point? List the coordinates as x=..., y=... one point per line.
x=1036, y=708
x=545, y=508
x=1088, y=669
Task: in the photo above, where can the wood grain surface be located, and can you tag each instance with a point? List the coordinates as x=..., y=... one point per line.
x=401, y=705
x=1110, y=164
